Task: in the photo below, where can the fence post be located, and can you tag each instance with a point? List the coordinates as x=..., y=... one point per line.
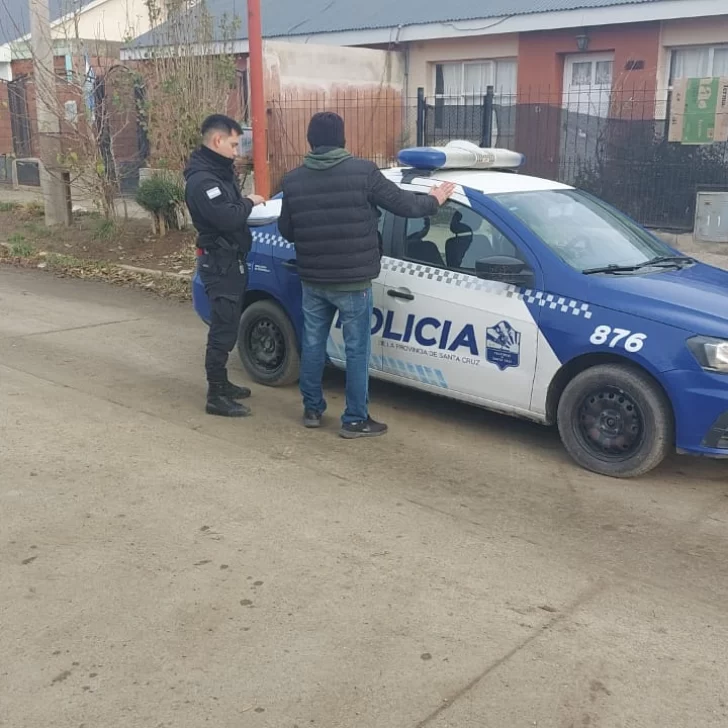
x=486, y=138
x=668, y=113
x=421, y=117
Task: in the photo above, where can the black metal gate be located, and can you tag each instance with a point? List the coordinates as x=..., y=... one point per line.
x=19, y=118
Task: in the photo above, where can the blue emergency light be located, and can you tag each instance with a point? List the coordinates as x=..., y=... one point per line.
x=460, y=155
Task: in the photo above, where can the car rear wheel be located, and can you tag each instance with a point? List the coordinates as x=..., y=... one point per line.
x=267, y=345
x=616, y=421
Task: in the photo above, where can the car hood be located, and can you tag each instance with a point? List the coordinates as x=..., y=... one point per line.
x=694, y=298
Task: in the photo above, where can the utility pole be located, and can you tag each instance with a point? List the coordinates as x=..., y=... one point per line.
x=257, y=100
x=52, y=179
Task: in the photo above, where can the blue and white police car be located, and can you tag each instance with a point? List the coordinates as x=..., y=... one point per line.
x=527, y=297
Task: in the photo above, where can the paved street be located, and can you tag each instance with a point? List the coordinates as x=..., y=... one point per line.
x=162, y=568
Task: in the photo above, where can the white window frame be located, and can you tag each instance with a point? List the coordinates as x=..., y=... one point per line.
x=712, y=48
x=463, y=96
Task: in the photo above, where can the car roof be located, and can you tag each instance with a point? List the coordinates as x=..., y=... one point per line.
x=486, y=181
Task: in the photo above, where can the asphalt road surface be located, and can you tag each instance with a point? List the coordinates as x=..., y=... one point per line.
x=162, y=568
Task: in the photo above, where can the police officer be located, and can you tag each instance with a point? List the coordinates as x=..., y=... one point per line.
x=220, y=214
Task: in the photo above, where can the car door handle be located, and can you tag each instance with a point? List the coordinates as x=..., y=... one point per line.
x=290, y=263
x=406, y=295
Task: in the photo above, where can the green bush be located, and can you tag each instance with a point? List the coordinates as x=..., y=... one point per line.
x=162, y=195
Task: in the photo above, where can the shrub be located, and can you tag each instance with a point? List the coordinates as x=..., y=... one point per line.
x=162, y=195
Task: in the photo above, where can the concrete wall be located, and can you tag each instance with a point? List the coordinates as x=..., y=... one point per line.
x=424, y=55
x=364, y=86
x=305, y=68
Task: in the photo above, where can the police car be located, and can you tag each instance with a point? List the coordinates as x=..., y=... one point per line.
x=524, y=296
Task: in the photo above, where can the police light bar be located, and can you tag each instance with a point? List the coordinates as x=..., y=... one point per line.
x=460, y=155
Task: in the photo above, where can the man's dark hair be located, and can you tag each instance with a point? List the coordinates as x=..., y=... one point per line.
x=326, y=129
x=221, y=123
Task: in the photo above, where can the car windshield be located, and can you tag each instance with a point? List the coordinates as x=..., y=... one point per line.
x=586, y=234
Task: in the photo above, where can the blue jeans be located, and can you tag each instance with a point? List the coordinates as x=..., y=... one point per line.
x=319, y=309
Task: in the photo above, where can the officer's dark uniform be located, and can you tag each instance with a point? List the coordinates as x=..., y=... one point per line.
x=220, y=213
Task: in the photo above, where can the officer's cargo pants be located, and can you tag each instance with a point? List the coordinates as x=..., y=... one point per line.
x=224, y=278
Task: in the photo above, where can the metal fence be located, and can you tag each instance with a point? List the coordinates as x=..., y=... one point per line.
x=611, y=142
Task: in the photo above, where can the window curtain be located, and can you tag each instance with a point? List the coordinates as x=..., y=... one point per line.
x=506, y=81
x=452, y=79
x=690, y=63
x=720, y=62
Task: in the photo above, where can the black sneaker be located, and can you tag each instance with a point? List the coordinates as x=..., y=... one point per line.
x=235, y=392
x=370, y=428
x=311, y=419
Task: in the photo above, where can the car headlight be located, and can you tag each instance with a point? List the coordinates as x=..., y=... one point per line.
x=712, y=354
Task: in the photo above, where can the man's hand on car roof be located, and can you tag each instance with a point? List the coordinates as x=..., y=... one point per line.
x=442, y=193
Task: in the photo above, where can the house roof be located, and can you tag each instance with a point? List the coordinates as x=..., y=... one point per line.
x=15, y=18
x=286, y=18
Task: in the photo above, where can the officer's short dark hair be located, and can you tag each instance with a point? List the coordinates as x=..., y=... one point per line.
x=326, y=129
x=221, y=123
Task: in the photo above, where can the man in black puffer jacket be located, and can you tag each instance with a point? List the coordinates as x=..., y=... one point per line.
x=329, y=212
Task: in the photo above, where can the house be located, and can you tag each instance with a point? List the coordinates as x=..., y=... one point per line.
x=85, y=33
x=457, y=48
x=572, y=80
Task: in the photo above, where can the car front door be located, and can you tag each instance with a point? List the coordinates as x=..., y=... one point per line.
x=446, y=328
x=335, y=347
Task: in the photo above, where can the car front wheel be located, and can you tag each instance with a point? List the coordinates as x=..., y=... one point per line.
x=616, y=421
x=267, y=345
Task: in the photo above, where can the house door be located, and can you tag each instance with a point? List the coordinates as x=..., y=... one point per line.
x=587, y=95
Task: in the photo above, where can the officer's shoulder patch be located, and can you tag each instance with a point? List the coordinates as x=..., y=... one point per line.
x=213, y=192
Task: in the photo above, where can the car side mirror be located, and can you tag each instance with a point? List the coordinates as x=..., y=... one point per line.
x=505, y=269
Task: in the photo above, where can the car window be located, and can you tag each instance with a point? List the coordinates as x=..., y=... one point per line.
x=582, y=231
x=380, y=224
x=455, y=238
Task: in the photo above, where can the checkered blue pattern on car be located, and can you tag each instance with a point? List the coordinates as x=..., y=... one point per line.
x=433, y=377
x=426, y=375
x=272, y=239
x=468, y=282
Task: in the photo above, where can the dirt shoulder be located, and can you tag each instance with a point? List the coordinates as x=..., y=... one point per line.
x=123, y=252
x=92, y=238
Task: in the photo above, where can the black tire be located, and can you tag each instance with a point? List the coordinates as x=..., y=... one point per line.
x=616, y=421
x=267, y=345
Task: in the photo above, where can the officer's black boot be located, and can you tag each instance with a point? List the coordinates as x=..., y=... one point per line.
x=220, y=403
x=235, y=392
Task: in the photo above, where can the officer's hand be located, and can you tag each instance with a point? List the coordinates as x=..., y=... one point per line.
x=442, y=193
x=257, y=199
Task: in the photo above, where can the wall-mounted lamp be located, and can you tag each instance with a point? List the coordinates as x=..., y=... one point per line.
x=582, y=42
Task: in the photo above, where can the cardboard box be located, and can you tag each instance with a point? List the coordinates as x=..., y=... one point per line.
x=699, y=111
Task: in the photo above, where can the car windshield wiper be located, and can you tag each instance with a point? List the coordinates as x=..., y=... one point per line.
x=611, y=268
x=668, y=260
x=659, y=261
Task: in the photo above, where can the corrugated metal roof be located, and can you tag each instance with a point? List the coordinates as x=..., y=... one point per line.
x=15, y=20
x=283, y=18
